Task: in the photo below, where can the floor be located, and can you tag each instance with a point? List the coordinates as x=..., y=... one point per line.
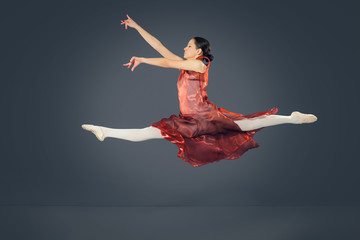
x=68, y=222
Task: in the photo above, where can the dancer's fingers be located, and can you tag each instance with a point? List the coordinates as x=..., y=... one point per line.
x=135, y=65
x=127, y=64
x=123, y=22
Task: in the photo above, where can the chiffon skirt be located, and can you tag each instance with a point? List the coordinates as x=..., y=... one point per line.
x=208, y=137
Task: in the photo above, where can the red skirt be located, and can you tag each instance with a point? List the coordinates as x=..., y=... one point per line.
x=207, y=137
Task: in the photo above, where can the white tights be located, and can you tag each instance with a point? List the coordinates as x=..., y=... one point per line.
x=134, y=135
x=142, y=134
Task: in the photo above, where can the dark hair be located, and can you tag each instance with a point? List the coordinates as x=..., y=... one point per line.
x=205, y=47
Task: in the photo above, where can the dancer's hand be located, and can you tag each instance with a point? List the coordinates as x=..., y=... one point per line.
x=135, y=61
x=129, y=22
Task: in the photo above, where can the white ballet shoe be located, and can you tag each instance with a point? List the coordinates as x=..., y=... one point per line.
x=303, y=118
x=95, y=130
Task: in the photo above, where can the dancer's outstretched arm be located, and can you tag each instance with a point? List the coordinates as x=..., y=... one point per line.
x=155, y=43
x=190, y=64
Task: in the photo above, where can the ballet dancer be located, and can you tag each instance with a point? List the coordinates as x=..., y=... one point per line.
x=202, y=132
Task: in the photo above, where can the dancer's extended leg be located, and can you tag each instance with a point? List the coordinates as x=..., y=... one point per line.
x=271, y=120
x=134, y=135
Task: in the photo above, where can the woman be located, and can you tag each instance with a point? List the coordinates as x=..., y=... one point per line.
x=203, y=132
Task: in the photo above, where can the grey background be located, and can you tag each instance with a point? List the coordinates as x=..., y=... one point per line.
x=61, y=66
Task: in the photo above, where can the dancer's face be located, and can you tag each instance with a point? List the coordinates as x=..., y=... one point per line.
x=190, y=51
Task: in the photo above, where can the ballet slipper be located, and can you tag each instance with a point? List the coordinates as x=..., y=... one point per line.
x=303, y=118
x=95, y=130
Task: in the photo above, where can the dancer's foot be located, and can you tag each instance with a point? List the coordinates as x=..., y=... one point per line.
x=95, y=130
x=300, y=118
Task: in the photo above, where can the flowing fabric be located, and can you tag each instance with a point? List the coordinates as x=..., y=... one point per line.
x=203, y=132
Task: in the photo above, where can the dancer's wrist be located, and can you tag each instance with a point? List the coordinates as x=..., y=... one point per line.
x=137, y=27
x=142, y=60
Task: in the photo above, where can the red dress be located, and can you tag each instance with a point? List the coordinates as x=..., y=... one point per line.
x=203, y=132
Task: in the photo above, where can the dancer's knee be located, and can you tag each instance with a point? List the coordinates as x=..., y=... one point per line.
x=246, y=125
x=153, y=132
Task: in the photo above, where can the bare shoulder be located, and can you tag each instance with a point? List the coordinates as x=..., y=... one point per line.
x=195, y=65
x=201, y=65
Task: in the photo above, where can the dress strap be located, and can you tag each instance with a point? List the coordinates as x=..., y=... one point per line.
x=202, y=56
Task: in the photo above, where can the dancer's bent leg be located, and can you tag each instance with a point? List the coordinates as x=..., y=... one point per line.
x=249, y=124
x=134, y=135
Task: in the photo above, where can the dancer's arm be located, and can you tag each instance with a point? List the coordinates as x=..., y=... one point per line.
x=155, y=43
x=191, y=64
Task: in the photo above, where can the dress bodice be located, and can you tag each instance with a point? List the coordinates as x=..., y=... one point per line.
x=192, y=91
